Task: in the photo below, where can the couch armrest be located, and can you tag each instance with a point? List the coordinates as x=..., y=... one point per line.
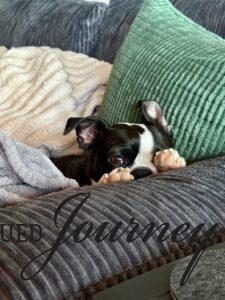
x=193, y=195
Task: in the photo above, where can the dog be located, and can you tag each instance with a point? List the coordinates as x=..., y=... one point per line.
x=124, y=147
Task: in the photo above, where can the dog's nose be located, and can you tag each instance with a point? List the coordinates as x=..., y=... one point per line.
x=141, y=172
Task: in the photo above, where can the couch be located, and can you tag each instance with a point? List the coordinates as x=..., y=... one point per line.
x=193, y=195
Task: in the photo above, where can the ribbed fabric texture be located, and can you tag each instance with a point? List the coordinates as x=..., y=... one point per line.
x=208, y=13
x=195, y=194
x=69, y=25
x=118, y=17
x=168, y=58
x=40, y=88
x=120, y=14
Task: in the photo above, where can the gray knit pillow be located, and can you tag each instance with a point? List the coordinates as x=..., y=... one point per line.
x=65, y=24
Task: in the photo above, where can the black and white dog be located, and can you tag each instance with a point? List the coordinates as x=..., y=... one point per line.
x=123, y=145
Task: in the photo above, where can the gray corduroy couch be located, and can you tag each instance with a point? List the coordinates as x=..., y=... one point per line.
x=192, y=195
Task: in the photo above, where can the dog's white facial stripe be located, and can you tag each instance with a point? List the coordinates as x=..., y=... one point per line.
x=144, y=157
x=145, y=148
x=145, y=154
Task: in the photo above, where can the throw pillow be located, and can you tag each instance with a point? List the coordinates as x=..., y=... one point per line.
x=168, y=58
x=120, y=14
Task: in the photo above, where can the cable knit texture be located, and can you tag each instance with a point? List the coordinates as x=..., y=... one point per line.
x=40, y=88
x=168, y=58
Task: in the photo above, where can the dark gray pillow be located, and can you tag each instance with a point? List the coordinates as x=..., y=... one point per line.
x=119, y=16
x=65, y=24
x=121, y=13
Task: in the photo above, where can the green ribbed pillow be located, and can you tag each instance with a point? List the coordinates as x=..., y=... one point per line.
x=168, y=58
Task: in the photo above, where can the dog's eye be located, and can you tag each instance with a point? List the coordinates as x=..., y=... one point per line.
x=116, y=160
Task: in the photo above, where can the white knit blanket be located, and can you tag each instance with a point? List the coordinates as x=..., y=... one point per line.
x=40, y=88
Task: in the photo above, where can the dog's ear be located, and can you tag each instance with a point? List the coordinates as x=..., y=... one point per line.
x=89, y=130
x=153, y=114
x=70, y=125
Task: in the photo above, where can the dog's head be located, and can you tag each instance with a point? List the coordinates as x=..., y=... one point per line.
x=123, y=144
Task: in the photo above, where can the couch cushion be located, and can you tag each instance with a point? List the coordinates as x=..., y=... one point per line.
x=172, y=60
x=119, y=16
x=195, y=195
x=121, y=13
x=68, y=25
x=208, y=13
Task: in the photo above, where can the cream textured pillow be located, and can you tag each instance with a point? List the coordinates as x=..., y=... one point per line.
x=40, y=88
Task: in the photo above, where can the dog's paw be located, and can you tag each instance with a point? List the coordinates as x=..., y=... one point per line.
x=117, y=175
x=168, y=159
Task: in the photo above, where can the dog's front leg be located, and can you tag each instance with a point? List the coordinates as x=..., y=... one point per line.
x=117, y=175
x=168, y=159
